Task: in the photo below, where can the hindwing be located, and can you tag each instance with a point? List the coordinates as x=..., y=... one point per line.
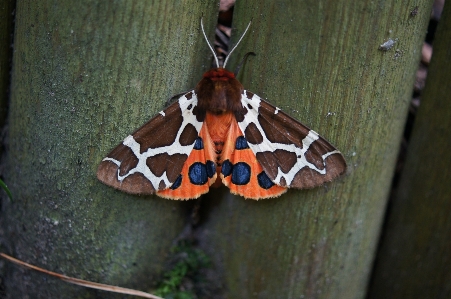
x=240, y=170
x=198, y=172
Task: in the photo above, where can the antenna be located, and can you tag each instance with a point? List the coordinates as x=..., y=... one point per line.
x=211, y=48
x=227, y=58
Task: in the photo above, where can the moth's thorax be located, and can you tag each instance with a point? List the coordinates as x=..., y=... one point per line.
x=219, y=92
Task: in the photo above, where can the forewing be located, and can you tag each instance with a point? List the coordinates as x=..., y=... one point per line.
x=152, y=158
x=290, y=153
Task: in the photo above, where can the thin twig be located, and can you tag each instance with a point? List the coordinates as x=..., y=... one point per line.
x=81, y=282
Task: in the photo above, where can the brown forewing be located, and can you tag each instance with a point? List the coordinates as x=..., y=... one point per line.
x=281, y=128
x=159, y=131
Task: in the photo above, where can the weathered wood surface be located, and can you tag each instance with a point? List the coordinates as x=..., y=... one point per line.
x=6, y=30
x=85, y=75
x=414, y=260
x=319, y=61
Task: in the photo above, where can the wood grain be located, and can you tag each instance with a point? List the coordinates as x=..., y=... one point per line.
x=319, y=62
x=86, y=74
x=414, y=260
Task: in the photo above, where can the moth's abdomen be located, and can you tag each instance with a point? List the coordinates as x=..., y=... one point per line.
x=218, y=126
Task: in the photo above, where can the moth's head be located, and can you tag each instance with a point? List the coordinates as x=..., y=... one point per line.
x=219, y=74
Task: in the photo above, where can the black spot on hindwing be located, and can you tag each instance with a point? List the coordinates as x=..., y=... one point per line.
x=199, y=144
x=226, y=168
x=211, y=169
x=264, y=181
x=241, y=173
x=197, y=173
x=241, y=143
x=177, y=182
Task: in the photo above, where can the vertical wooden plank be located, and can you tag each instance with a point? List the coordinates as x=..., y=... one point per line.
x=86, y=74
x=6, y=29
x=414, y=260
x=319, y=61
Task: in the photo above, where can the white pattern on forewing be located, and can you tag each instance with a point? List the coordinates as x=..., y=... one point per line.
x=174, y=148
x=268, y=146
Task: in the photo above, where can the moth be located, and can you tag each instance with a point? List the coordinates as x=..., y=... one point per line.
x=220, y=133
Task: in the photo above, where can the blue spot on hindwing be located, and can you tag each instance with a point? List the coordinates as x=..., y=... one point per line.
x=226, y=168
x=241, y=173
x=264, y=181
x=177, y=182
x=198, y=144
x=197, y=173
x=211, y=168
x=241, y=143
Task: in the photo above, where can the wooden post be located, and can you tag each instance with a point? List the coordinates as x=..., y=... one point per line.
x=85, y=75
x=414, y=260
x=6, y=30
x=320, y=62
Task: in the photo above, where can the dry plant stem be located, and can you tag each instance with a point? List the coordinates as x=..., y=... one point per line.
x=81, y=282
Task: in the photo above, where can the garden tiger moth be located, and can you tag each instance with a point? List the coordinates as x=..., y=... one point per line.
x=220, y=133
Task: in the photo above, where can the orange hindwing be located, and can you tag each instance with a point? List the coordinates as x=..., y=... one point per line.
x=240, y=170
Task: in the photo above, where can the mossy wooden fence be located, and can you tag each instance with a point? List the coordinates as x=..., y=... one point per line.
x=87, y=73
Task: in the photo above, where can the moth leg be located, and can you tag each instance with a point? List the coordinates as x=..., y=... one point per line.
x=175, y=97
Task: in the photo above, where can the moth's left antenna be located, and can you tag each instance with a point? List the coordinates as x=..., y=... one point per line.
x=209, y=45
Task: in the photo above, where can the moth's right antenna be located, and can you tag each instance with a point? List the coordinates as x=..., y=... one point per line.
x=227, y=58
